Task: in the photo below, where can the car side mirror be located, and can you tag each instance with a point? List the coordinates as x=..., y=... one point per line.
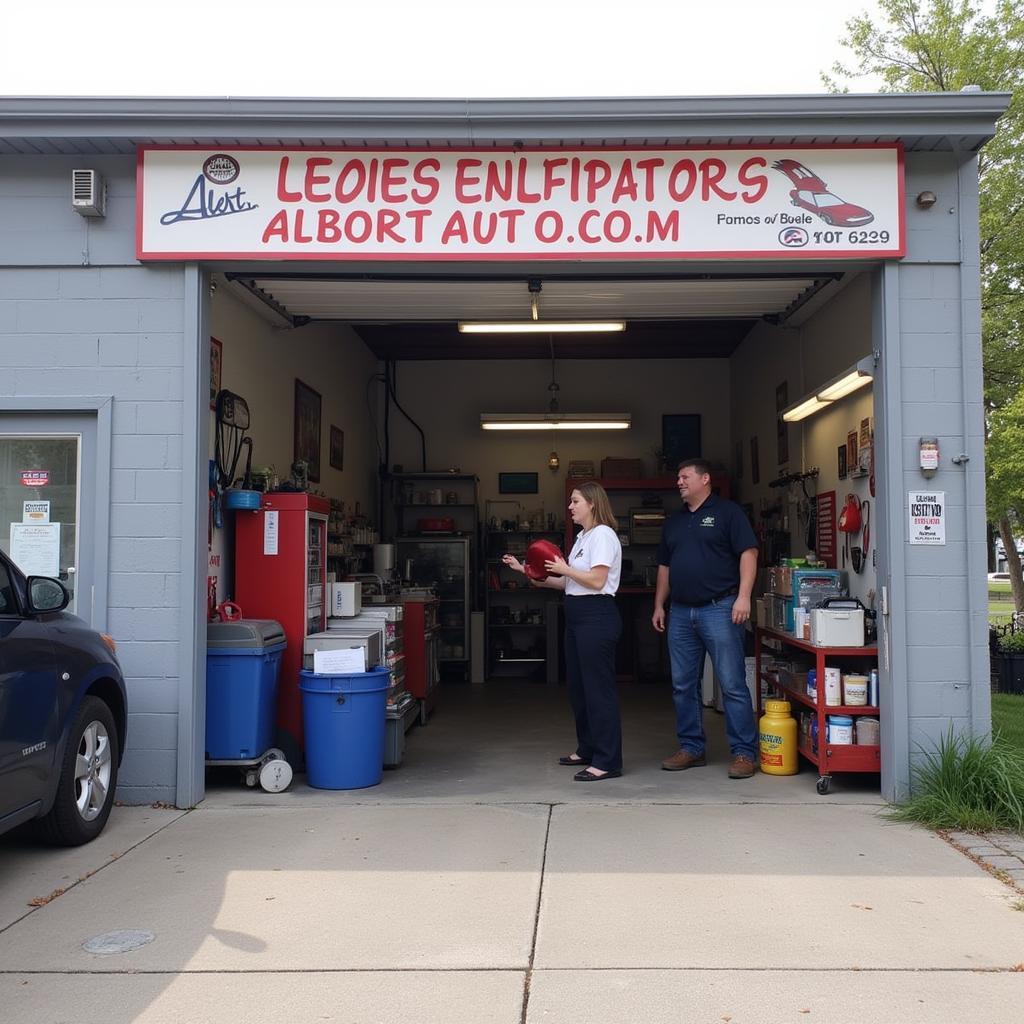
x=46, y=595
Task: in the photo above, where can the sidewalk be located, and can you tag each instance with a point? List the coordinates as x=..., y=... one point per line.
x=365, y=909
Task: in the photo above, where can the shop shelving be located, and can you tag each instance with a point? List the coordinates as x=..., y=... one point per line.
x=828, y=758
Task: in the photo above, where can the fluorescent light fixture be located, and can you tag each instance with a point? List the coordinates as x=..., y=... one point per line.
x=542, y=327
x=554, y=421
x=859, y=375
x=803, y=409
x=846, y=385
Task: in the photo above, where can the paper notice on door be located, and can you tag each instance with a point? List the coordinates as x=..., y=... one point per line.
x=270, y=526
x=339, y=662
x=35, y=548
x=35, y=511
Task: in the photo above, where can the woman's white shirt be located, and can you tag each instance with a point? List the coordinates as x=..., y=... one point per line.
x=597, y=546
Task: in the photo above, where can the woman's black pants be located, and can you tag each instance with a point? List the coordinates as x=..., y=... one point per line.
x=592, y=629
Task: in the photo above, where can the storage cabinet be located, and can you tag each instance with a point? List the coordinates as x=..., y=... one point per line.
x=443, y=563
x=522, y=620
x=827, y=757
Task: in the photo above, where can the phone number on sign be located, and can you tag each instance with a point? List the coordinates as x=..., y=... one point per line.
x=853, y=237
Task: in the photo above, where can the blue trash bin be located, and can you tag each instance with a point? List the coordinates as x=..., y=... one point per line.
x=243, y=659
x=344, y=717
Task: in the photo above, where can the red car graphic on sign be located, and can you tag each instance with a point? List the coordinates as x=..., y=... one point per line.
x=812, y=194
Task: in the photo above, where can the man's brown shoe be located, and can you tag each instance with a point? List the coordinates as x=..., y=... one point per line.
x=741, y=768
x=682, y=760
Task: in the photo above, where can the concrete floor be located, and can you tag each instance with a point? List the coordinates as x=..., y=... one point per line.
x=479, y=885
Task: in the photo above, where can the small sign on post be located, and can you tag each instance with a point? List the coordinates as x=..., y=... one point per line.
x=927, y=510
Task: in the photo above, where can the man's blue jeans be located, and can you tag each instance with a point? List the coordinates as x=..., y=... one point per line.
x=691, y=632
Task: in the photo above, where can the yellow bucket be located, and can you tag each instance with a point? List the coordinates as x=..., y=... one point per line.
x=777, y=739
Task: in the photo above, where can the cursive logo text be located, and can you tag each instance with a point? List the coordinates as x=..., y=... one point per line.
x=204, y=202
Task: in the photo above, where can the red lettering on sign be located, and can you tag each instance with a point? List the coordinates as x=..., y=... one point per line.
x=552, y=233
x=625, y=184
x=358, y=226
x=417, y=217
x=758, y=181
x=682, y=167
x=387, y=221
x=585, y=220
x=355, y=169
x=464, y=180
x=299, y=217
x=313, y=179
x=712, y=172
x=511, y=219
x=551, y=180
x=663, y=230
x=392, y=180
x=282, y=192
x=480, y=233
x=598, y=174
x=613, y=233
x=327, y=229
x=455, y=228
x=498, y=181
x=649, y=167
x=430, y=181
x=522, y=193
x=277, y=228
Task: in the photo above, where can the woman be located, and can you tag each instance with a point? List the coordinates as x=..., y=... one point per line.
x=590, y=579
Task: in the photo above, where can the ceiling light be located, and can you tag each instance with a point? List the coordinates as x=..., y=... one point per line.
x=859, y=375
x=846, y=384
x=542, y=327
x=554, y=421
x=537, y=326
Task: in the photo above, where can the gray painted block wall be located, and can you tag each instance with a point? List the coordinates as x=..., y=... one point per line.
x=79, y=316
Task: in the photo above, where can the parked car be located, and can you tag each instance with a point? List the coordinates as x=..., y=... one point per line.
x=812, y=194
x=63, y=713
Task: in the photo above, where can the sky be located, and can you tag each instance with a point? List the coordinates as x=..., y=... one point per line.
x=440, y=48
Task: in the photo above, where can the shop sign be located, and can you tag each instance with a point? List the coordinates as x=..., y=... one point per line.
x=35, y=477
x=773, y=202
x=927, y=517
x=35, y=511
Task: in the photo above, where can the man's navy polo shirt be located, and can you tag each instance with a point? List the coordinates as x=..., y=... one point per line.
x=702, y=550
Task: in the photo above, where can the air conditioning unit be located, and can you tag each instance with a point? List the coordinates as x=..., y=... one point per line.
x=88, y=193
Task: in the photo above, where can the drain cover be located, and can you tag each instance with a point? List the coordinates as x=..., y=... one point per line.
x=122, y=941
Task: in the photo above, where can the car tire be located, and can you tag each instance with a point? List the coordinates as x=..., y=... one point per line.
x=88, y=778
x=827, y=219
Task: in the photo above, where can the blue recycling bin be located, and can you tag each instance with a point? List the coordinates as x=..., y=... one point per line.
x=344, y=717
x=243, y=659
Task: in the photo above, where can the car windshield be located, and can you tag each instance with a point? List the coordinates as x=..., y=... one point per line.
x=827, y=199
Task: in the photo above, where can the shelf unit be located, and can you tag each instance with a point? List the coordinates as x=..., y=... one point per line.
x=520, y=648
x=828, y=758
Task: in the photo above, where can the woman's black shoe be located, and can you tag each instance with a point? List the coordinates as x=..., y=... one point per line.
x=574, y=762
x=585, y=776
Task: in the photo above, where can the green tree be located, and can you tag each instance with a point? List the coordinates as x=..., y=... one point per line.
x=943, y=46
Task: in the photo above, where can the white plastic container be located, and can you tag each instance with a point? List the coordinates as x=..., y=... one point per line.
x=855, y=690
x=840, y=730
x=833, y=687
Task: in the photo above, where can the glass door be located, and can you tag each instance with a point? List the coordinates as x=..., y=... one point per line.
x=41, y=476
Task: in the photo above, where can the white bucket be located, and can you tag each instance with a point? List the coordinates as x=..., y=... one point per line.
x=840, y=730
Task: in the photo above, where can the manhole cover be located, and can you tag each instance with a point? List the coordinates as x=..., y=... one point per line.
x=121, y=941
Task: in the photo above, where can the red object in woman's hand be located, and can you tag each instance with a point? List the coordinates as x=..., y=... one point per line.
x=539, y=552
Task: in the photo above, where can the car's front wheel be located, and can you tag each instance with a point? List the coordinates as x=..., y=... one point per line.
x=88, y=777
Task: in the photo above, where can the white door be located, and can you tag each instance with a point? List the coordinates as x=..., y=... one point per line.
x=47, y=474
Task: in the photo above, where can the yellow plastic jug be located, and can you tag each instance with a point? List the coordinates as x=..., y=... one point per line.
x=777, y=734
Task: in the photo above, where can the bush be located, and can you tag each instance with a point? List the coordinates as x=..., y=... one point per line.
x=1011, y=643
x=967, y=784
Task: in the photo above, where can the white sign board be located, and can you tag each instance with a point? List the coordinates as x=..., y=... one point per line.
x=270, y=533
x=342, y=661
x=35, y=548
x=35, y=511
x=768, y=202
x=927, y=511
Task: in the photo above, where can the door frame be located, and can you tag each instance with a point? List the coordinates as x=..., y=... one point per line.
x=102, y=407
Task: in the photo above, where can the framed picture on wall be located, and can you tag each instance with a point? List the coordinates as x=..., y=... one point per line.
x=337, y=448
x=841, y=461
x=680, y=437
x=307, y=428
x=517, y=483
x=216, y=370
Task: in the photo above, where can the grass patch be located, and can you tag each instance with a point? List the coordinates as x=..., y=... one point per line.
x=1008, y=719
x=968, y=784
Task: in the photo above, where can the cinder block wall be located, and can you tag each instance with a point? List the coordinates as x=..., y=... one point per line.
x=79, y=316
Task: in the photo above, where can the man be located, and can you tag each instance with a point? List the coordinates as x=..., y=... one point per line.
x=707, y=563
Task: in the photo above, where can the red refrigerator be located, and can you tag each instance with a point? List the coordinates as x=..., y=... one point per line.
x=281, y=573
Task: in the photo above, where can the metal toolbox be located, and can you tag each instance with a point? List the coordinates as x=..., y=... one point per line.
x=341, y=638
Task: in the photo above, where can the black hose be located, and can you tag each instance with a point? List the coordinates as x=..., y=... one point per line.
x=389, y=373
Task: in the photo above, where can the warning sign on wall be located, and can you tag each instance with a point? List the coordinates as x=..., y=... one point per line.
x=927, y=517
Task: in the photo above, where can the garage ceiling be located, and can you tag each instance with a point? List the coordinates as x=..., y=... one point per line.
x=416, y=318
